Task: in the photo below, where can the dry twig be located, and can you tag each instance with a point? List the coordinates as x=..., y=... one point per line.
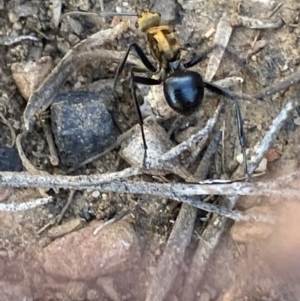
x=7, y=41
x=27, y=205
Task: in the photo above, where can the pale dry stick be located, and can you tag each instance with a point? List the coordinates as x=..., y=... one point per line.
x=178, y=192
x=7, y=41
x=222, y=36
x=281, y=85
x=260, y=150
x=114, y=220
x=225, y=212
x=26, y=206
x=112, y=183
x=169, y=263
x=195, y=153
x=204, y=166
x=276, y=9
x=54, y=159
x=237, y=20
x=85, y=52
x=223, y=146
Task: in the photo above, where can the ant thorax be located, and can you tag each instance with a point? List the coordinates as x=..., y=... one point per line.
x=161, y=39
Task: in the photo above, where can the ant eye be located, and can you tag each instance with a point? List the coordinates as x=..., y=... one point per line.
x=137, y=25
x=159, y=14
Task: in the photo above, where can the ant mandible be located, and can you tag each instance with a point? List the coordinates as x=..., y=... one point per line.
x=183, y=89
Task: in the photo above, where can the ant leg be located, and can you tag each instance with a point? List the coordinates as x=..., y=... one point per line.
x=241, y=135
x=199, y=58
x=144, y=81
x=229, y=94
x=142, y=56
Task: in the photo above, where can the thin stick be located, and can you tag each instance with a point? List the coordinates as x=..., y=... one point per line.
x=62, y=213
x=280, y=85
x=10, y=41
x=49, y=138
x=27, y=205
x=269, y=137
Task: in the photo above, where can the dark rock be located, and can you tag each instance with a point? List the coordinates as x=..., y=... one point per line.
x=10, y=160
x=82, y=125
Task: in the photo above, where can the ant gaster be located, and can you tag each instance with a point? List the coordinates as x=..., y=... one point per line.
x=183, y=89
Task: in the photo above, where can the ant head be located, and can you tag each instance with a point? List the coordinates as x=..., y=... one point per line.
x=147, y=19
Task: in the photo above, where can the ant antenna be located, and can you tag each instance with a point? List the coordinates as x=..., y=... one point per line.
x=152, y=4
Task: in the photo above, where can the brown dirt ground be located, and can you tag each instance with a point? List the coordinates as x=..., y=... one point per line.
x=258, y=269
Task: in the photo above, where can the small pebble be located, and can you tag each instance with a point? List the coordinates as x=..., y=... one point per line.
x=262, y=167
x=297, y=121
x=11, y=253
x=29, y=75
x=157, y=252
x=26, y=10
x=17, y=26
x=12, y=17
x=205, y=296
x=152, y=270
x=96, y=194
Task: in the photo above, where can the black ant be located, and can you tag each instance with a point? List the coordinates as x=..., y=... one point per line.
x=183, y=89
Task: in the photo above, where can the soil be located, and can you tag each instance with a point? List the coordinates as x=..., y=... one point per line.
x=262, y=266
